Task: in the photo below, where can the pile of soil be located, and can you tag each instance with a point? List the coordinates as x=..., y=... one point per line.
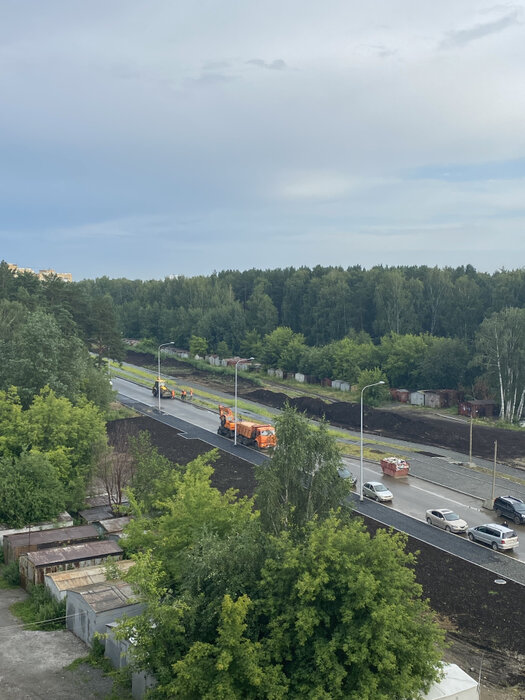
x=405, y=423
x=411, y=426
x=230, y=471
x=485, y=621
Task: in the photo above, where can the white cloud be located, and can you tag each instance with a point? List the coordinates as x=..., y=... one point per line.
x=278, y=119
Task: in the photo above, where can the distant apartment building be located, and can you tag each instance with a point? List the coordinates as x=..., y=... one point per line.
x=41, y=274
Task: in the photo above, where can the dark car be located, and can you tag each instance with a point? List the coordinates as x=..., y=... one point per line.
x=510, y=507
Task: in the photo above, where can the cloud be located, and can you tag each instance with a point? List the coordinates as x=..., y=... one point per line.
x=208, y=79
x=278, y=64
x=462, y=37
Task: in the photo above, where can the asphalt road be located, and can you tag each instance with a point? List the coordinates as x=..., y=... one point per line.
x=438, y=479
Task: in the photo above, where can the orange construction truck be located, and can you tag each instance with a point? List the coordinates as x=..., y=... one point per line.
x=252, y=434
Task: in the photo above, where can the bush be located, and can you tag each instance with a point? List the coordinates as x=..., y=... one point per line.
x=41, y=611
x=11, y=574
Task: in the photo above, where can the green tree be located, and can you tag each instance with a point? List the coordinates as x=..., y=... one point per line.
x=351, y=355
x=397, y=301
x=301, y=481
x=36, y=353
x=500, y=345
x=187, y=506
x=30, y=489
x=104, y=330
x=233, y=666
x=401, y=357
x=261, y=314
x=375, y=395
x=251, y=344
x=72, y=436
x=275, y=345
x=198, y=346
x=445, y=364
x=150, y=471
x=345, y=617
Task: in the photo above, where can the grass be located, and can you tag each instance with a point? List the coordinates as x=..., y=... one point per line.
x=206, y=399
x=40, y=611
x=121, y=677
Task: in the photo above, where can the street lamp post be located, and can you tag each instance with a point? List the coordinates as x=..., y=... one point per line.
x=235, y=417
x=162, y=345
x=361, y=467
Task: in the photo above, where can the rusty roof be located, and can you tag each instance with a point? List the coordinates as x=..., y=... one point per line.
x=107, y=595
x=73, y=552
x=85, y=575
x=59, y=534
x=115, y=524
x=94, y=515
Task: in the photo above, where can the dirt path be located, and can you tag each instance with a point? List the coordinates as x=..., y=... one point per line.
x=33, y=664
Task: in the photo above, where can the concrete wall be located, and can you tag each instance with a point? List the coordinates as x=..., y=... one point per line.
x=140, y=683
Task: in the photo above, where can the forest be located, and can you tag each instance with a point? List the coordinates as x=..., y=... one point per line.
x=413, y=327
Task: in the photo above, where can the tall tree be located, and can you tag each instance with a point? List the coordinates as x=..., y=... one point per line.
x=500, y=345
x=301, y=481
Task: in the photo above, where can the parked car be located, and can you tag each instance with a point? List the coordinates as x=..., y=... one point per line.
x=497, y=536
x=510, y=507
x=446, y=519
x=345, y=473
x=377, y=491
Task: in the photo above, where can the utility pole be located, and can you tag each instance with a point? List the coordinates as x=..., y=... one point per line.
x=494, y=471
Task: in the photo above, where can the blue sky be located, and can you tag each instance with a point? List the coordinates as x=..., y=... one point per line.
x=147, y=139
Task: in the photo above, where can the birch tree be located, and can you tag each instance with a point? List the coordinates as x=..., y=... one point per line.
x=500, y=345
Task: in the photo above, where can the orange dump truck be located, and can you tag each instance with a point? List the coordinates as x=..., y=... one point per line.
x=248, y=433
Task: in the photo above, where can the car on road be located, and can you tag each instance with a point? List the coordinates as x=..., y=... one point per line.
x=377, y=491
x=345, y=473
x=510, y=507
x=496, y=536
x=446, y=519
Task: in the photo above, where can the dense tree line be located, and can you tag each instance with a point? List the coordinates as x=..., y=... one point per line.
x=413, y=327
x=322, y=304
x=46, y=331
x=53, y=394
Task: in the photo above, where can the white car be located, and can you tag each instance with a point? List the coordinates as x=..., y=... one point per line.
x=377, y=491
x=446, y=519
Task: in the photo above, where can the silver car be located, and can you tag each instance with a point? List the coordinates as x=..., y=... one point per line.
x=497, y=536
x=377, y=491
x=446, y=519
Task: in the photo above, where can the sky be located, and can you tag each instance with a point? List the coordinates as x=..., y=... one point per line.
x=145, y=139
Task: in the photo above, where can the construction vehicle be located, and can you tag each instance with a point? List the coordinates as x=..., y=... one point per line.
x=165, y=393
x=255, y=435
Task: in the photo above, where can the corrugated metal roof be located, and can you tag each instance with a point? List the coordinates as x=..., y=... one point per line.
x=85, y=576
x=94, y=515
x=115, y=524
x=59, y=534
x=73, y=552
x=107, y=595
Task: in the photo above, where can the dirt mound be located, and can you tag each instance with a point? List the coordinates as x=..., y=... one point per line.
x=268, y=398
x=437, y=432
x=229, y=471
